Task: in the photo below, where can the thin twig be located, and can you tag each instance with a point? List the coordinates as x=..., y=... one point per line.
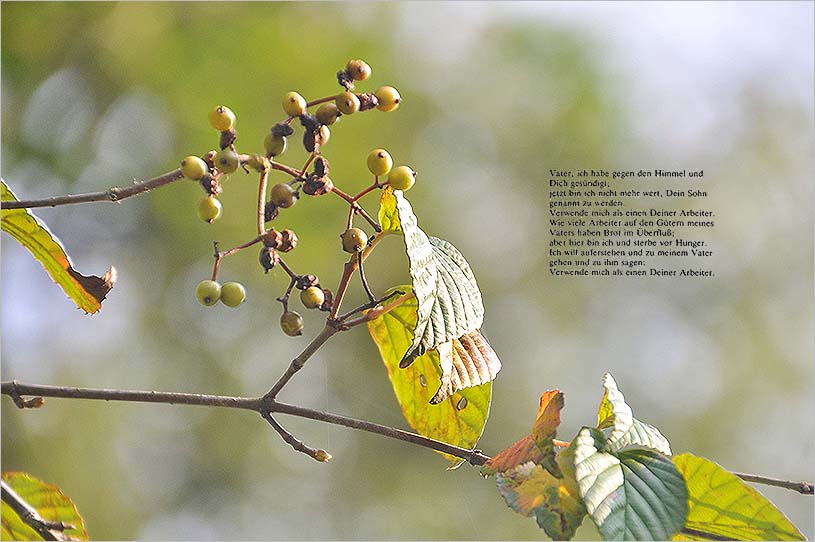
x=264, y=179
x=112, y=195
x=371, y=188
x=288, y=169
x=298, y=362
x=804, y=488
x=474, y=457
x=357, y=208
x=321, y=100
x=234, y=250
x=369, y=305
x=375, y=313
x=371, y=296
x=311, y=158
x=29, y=515
x=293, y=441
x=347, y=271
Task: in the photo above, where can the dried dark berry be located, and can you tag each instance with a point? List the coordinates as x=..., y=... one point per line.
x=321, y=166
x=345, y=79
x=270, y=212
x=367, y=100
x=310, y=123
x=289, y=241
x=228, y=138
x=281, y=129
x=307, y=281
x=268, y=258
x=328, y=304
x=317, y=186
x=272, y=238
x=210, y=185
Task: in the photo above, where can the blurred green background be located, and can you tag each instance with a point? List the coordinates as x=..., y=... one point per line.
x=98, y=94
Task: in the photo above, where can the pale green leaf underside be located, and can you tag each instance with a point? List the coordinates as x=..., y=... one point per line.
x=49, y=502
x=623, y=431
x=396, y=216
x=457, y=307
x=449, y=301
x=86, y=291
x=723, y=505
x=636, y=494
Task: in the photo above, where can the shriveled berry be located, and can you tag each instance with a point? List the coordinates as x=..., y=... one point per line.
x=193, y=168
x=294, y=104
x=210, y=209
x=354, y=240
x=388, y=98
x=307, y=281
x=379, y=162
x=283, y=195
x=268, y=258
x=233, y=294
x=222, y=118
x=274, y=145
x=227, y=160
x=208, y=292
x=347, y=103
x=327, y=113
x=358, y=69
x=402, y=178
x=288, y=241
x=312, y=297
x=282, y=129
x=291, y=323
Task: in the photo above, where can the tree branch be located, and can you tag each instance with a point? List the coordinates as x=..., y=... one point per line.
x=113, y=195
x=48, y=530
x=804, y=488
x=15, y=388
x=263, y=405
x=266, y=405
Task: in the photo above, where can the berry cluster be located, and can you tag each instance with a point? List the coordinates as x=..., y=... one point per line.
x=311, y=180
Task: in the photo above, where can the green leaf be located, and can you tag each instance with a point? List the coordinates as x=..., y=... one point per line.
x=636, y=494
x=460, y=418
x=86, y=291
x=722, y=505
x=49, y=502
x=622, y=430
